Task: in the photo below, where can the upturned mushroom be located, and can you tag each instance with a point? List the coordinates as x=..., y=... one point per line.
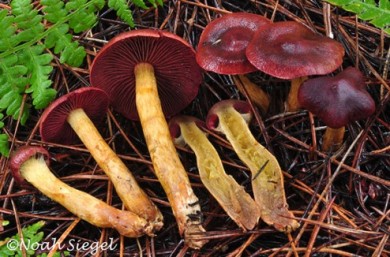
x=30, y=163
x=231, y=117
x=337, y=101
x=73, y=116
x=238, y=204
x=289, y=50
x=222, y=49
x=150, y=74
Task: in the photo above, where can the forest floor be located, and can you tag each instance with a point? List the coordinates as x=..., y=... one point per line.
x=341, y=199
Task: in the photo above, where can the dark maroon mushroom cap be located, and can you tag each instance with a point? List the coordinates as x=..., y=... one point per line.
x=212, y=120
x=174, y=124
x=23, y=154
x=337, y=100
x=289, y=50
x=223, y=42
x=54, y=127
x=173, y=59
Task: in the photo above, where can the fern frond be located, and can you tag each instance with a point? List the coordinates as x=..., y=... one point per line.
x=122, y=9
x=368, y=10
x=70, y=51
x=7, y=31
x=54, y=10
x=38, y=65
x=4, y=144
x=13, y=81
x=27, y=20
x=85, y=18
x=140, y=4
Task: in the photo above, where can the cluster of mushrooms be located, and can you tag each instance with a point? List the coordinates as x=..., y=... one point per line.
x=150, y=76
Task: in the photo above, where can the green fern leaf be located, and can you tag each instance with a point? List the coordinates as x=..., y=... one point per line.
x=54, y=10
x=39, y=67
x=13, y=82
x=384, y=4
x=85, y=18
x=140, y=4
x=4, y=144
x=368, y=10
x=31, y=236
x=71, y=52
x=27, y=19
x=122, y=9
x=7, y=31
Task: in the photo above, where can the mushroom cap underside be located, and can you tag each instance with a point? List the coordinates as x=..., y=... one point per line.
x=54, y=127
x=177, y=74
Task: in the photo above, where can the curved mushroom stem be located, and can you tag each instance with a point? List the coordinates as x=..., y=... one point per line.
x=81, y=204
x=237, y=203
x=267, y=178
x=253, y=91
x=332, y=139
x=133, y=197
x=167, y=166
x=292, y=104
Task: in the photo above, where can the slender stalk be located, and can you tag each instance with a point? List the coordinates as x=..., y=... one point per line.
x=267, y=178
x=237, y=203
x=133, y=197
x=81, y=204
x=167, y=166
x=332, y=139
x=292, y=104
x=253, y=91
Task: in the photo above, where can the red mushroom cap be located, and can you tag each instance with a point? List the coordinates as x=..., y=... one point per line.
x=289, y=50
x=337, y=100
x=222, y=45
x=212, y=120
x=173, y=59
x=54, y=126
x=23, y=154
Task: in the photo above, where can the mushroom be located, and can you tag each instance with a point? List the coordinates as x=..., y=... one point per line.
x=222, y=46
x=232, y=197
x=73, y=116
x=337, y=101
x=150, y=74
x=30, y=163
x=289, y=50
x=231, y=117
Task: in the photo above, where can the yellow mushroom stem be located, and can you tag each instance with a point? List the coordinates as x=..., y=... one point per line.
x=292, y=104
x=237, y=203
x=127, y=188
x=332, y=139
x=259, y=97
x=167, y=166
x=81, y=204
x=267, y=178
